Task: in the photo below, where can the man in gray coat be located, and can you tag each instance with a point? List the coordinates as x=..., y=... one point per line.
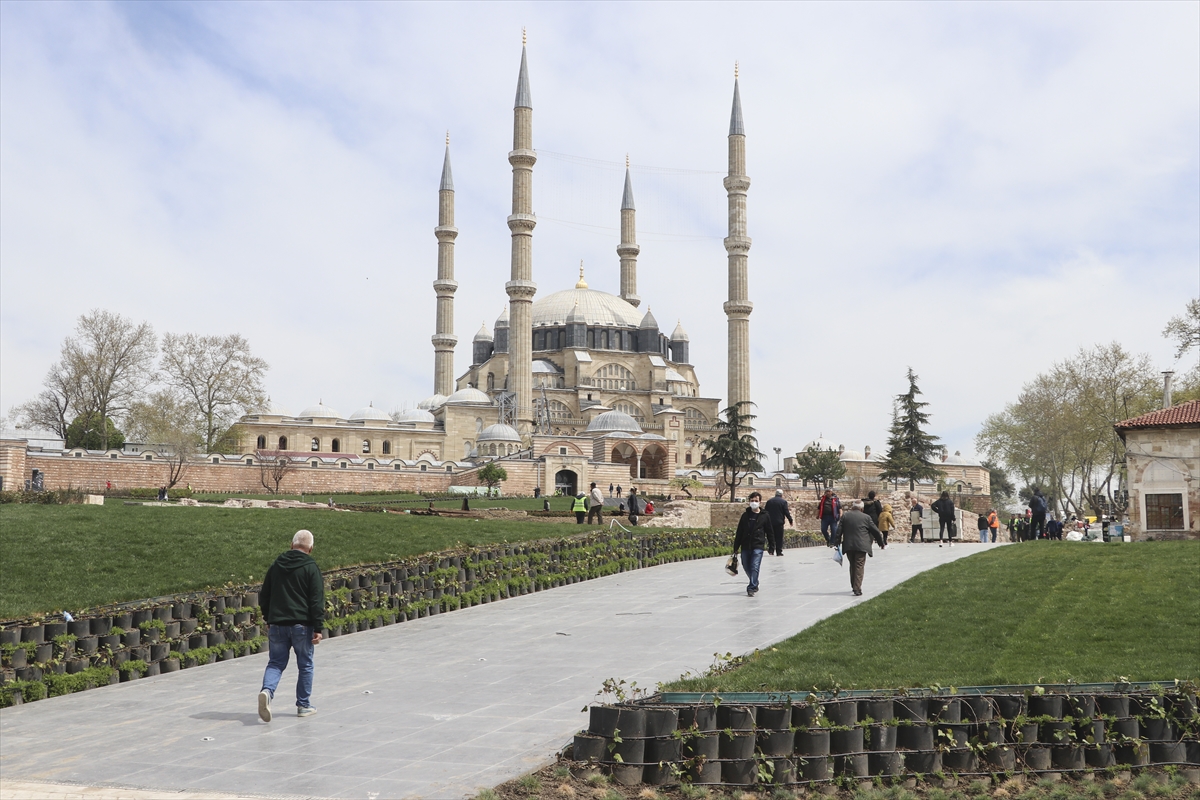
x=854, y=535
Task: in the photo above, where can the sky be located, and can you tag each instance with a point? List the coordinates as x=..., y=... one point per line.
x=973, y=190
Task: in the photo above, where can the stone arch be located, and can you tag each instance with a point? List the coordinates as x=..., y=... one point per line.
x=283, y=443
x=336, y=446
x=625, y=453
x=614, y=377
x=633, y=410
x=566, y=481
x=387, y=447
x=654, y=462
x=260, y=443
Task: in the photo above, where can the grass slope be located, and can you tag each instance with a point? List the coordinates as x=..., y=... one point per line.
x=1029, y=613
x=73, y=557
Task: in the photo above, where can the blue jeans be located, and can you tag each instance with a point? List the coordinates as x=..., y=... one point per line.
x=282, y=640
x=828, y=523
x=751, y=561
x=983, y=536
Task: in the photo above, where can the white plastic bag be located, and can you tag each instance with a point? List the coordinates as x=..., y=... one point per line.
x=837, y=555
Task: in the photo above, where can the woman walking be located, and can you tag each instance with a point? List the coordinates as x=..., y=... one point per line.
x=751, y=539
x=886, y=521
x=944, y=508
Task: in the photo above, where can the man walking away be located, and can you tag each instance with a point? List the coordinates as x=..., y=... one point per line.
x=1037, y=505
x=634, y=506
x=753, y=533
x=597, y=508
x=916, y=518
x=993, y=524
x=292, y=599
x=886, y=522
x=983, y=529
x=829, y=511
x=855, y=535
x=944, y=508
x=872, y=507
x=777, y=510
x=580, y=506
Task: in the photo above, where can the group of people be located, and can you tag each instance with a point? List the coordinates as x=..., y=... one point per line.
x=590, y=505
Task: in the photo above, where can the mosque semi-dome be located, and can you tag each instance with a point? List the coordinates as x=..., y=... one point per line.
x=370, y=413
x=598, y=308
x=319, y=411
x=613, y=422
x=498, y=433
x=432, y=402
x=415, y=415
x=468, y=395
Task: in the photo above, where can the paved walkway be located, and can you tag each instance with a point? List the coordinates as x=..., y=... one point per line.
x=435, y=708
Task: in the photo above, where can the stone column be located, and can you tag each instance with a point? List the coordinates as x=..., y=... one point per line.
x=444, y=339
x=737, y=246
x=521, y=287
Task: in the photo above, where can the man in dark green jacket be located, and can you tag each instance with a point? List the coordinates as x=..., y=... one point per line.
x=293, y=604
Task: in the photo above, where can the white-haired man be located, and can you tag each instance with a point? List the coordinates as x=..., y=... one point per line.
x=293, y=605
x=854, y=535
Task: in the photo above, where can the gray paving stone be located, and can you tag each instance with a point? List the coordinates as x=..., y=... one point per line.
x=457, y=702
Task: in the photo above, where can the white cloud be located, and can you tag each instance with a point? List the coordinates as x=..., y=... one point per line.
x=976, y=190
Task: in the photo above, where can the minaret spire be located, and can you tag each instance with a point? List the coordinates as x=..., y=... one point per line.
x=444, y=339
x=521, y=222
x=628, y=248
x=737, y=246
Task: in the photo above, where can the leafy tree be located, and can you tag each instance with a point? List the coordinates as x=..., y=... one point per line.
x=1184, y=330
x=92, y=432
x=491, y=474
x=910, y=450
x=219, y=378
x=1002, y=485
x=685, y=484
x=163, y=419
x=734, y=450
x=819, y=467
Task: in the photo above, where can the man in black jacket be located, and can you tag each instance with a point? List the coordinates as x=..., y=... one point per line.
x=778, y=511
x=753, y=530
x=292, y=599
x=872, y=507
x=944, y=508
x=855, y=535
x=1037, y=504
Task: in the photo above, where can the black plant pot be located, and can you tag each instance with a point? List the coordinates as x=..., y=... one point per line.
x=1036, y=758
x=76, y=665
x=881, y=738
x=101, y=626
x=885, y=763
x=737, y=746
x=661, y=721
x=1050, y=705
x=1026, y=733
x=878, y=710
x=1082, y=705
x=991, y=732
x=815, y=769
x=151, y=635
x=813, y=742
x=738, y=718
x=1093, y=728
x=668, y=750
x=1100, y=757
x=705, y=745
x=855, y=765
x=216, y=638
x=182, y=609
x=159, y=651
x=923, y=763
x=1114, y=705
x=1133, y=754
x=702, y=718
x=188, y=626
x=132, y=638
x=43, y=653
x=627, y=774
x=1168, y=753
x=589, y=748
x=945, y=709
x=783, y=771
x=911, y=708
x=112, y=641
x=80, y=628
x=13, y=635
x=87, y=646
x=1068, y=757
x=1157, y=730
x=978, y=708
x=172, y=631
x=152, y=669
x=774, y=718
x=1001, y=759
x=842, y=742
x=659, y=774
x=915, y=737
x=1010, y=706
x=18, y=659
x=842, y=712
x=607, y=720
x=960, y=761
x=198, y=641
x=960, y=733
x=135, y=619
x=1055, y=732
x=739, y=773
x=1127, y=727
x=169, y=665
x=708, y=772
x=52, y=629
x=776, y=743
x=1193, y=752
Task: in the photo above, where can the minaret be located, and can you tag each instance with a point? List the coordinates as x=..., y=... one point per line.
x=737, y=245
x=628, y=249
x=521, y=222
x=444, y=339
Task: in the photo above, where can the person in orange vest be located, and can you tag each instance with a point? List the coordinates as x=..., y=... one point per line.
x=993, y=520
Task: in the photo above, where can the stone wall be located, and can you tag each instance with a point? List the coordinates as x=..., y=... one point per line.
x=1163, y=461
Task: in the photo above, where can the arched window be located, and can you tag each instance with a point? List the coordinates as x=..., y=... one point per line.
x=491, y=382
x=467, y=447
x=261, y=444
x=559, y=412
x=614, y=377
x=283, y=443
x=366, y=445
x=687, y=459
x=632, y=410
x=337, y=446
x=750, y=481
x=316, y=444
x=387, y=448
x=694, y=420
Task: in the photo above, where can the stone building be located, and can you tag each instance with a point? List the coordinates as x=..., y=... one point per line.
x=1162, y=463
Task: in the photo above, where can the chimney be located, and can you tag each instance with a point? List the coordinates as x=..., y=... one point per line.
x=1167, y=376
x=867, y=451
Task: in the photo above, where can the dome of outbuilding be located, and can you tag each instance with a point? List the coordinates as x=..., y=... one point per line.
x=498, y=433
x=652, y=436
x=852, y=455
x=468, y=395
x=613, y=422
x=430, y=403
x=274, y=410
x=320, y=410
x=370, y=413
x=596, y=308
x=415, y=415
x=822, y=444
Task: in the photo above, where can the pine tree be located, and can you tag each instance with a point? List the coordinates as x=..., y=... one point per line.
x=911, y=450
x=734, y=450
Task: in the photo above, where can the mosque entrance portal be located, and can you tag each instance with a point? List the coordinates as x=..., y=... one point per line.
x=565, y=482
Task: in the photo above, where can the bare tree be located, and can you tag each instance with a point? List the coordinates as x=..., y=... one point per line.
x=56, y=405
x=219, y=377
x=273, y=467
x=163, y=420
x=112, y=361
x=1184, y=330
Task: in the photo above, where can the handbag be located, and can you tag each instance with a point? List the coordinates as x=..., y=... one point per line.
x=731, y=565
x=837, y=555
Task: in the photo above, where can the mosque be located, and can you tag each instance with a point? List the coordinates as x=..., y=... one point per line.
x=575, y=386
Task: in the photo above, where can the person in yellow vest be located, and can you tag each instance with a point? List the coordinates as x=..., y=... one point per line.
x=580, y=507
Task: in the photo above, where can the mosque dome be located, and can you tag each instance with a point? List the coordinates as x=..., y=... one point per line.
x=274, y=410
x=468, y=395
x=415, y=415
x=370, y=413
x=613, y=422
x=432, y=402
x=852, y=455
x=498, y=433
x=545, y=366
x=821, y=443
x=596, y=307
x=319, y=411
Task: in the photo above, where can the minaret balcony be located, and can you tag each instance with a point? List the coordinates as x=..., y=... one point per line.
x=522, y=222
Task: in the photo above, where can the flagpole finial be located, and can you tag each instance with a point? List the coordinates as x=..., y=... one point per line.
x=735, y=70
x=627, y=161
x=523, y=37
x=447, y=137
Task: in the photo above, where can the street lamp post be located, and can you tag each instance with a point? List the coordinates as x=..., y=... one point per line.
x=777, y=450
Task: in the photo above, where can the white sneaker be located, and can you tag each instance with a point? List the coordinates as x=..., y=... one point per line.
x=952, y=544
x=264, y=705
x=305, y=711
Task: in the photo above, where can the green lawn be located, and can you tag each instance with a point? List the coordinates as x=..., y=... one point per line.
x=1029, y=613
x=73, y=557
x=399, y=500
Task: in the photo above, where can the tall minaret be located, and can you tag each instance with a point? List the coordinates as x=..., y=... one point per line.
x=628, y=249
x=521, y=222
x=445, y=285
x=737, y=245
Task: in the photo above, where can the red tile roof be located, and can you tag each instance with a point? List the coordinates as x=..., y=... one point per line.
x=1182, y=414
